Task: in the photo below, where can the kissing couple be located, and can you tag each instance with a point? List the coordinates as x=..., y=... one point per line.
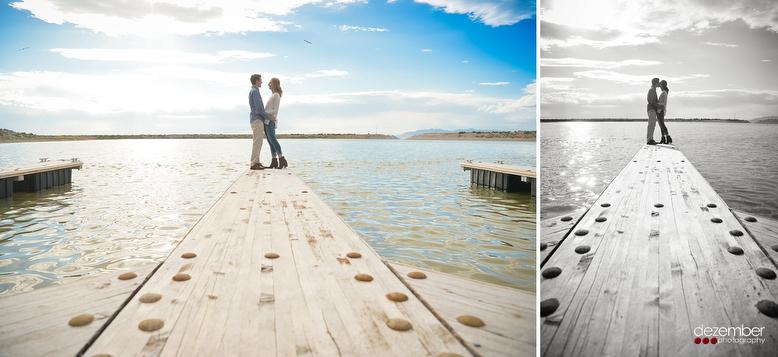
x=657, y=108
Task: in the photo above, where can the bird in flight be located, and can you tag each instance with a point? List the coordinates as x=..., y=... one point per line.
x=22, y=49
x=309, y=42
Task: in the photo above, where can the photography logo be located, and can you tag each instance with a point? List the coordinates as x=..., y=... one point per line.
x=731, y=335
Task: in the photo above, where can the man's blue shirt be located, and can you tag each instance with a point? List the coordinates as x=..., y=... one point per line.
x=255, y=102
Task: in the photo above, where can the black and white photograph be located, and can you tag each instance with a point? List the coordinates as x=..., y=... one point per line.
x=659, y=180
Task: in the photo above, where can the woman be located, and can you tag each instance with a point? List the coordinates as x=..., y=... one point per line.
x=279, y=162
x=666, y=139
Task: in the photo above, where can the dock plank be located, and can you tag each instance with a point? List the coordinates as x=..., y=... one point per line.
x=658, y=268
x=509, y=314
x=526, y=171
x=306, y=302
x=37, y=167
x=36, y=323
x=554, y=230
x=762, y=229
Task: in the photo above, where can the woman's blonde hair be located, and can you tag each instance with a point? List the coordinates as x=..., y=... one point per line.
x=277, y=86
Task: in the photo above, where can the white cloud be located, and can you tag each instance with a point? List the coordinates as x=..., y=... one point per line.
x=495, y=84
x=341, y=2
x=156, y=56
x=151, y=101
x=633, y=79
x=112, y=93
x=329, y=73
x=531, y=88
x=556, y=83
x=231, y=78
x=718, y=44
x=228, y=79
x=317, y=74
x=357, y=28
x=426, y=99
x=585, y=63
x=182, y=117
x=490, y=12
x=149, y=18
x=158, y=90
x=426, y=50
x=685, y=104
x=149, y=90
x=608, y=23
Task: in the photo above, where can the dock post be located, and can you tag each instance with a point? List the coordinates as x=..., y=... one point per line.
x=6, y=187
x=499, y=176
x=36, y=176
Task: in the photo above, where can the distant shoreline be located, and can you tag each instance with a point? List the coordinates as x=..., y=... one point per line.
x=25, y=137
x=8, y=136
x=479, y=136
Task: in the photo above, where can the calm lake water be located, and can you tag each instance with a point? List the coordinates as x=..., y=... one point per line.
x=579, y=160
x=134, y=200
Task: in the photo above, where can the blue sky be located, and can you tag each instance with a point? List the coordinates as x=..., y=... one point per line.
x=597, y=58
x=172, y=66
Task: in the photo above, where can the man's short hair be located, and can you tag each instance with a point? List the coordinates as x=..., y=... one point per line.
x=654, y=82
x=255, y=77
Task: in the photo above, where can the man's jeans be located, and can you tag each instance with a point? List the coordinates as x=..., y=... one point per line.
x=651, y=125
x=258, y=130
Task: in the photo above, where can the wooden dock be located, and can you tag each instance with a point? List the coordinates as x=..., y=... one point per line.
x=510, y=315
x=36, y=323
x=34, y=177
x=500, y=176
x=271, y=270
x=658, y=266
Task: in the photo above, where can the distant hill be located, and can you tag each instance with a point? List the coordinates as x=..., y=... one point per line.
x=479, y=135
x=425, y=131
x=773, y=119
x=6, y=134
x=10, y=136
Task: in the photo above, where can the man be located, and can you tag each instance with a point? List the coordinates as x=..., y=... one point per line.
x=257, y=120
x=652, y=108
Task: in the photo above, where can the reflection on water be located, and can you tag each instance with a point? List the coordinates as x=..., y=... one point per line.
x=134, y=200
x=579, y=160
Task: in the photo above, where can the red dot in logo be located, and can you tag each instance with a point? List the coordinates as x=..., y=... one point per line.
x=705, y=340
x=713, y=341
x=697, y=340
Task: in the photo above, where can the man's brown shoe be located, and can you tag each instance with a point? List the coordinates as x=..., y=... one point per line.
x=257, y=167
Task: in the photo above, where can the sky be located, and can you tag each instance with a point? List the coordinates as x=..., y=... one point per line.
x=70, y=67
x=597, y=58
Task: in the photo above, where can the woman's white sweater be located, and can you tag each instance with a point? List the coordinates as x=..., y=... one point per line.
x=272, y=106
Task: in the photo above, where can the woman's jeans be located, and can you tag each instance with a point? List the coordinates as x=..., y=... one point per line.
x=270, y=134
x=659, y=116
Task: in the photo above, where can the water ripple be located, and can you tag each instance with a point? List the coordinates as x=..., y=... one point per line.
x=134, y=200
x=738, y=160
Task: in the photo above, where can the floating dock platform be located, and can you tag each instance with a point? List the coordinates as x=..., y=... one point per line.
x=500, y=176
x=34, y=177
x=271, y=270
x=659, y=266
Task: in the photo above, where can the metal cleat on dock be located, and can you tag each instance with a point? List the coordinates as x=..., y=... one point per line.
x=44, y=159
